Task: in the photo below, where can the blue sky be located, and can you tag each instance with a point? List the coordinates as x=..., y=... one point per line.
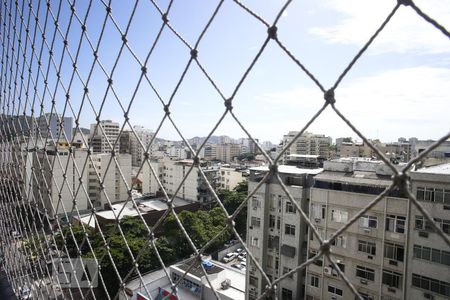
x=399, y=87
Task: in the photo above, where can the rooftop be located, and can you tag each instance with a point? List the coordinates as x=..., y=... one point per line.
x=438, y=169
x=144, y=206
x=285, y=169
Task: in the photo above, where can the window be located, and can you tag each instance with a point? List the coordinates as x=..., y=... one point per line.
x=443, y=224
x=253, y=281
x=269, y=261
x=255, y=241
x=314, y=281
x=317, y=262
x=290, y=209
x=255, y=203
x=318, y=211
x=367, y=247
x=334, y=290
x=433, y=195
x=289, y=229
x=366, y=273
x=271, y=221
x=256, y=222
x=430, y=284
x=394, y=251
x=339, y=241
x=366, y=296
x=287, y=270
x=431, y=254
x=392, y=279
x=339, y=216
x=286, y=294
x=395, y=223
x=368, y=221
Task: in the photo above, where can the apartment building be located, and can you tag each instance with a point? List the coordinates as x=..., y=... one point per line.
x=109, y=172
x=194, y=187
x=308, y=144
x=428, y=255
x=57, y=182
x=227, y=152
x=373, y=252
x=53, y=126
x=103, y=136
x=229, y=178
x=277, y=235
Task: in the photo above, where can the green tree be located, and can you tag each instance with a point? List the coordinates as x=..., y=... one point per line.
x=231, y=201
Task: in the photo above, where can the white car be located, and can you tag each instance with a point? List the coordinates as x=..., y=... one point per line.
x=229, y=257
x=242, y=256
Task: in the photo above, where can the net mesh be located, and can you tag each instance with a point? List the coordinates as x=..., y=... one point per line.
x=54, y=55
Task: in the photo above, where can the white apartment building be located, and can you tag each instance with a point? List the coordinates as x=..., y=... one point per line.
x=194, y=187
x=54, y=192
x=114, y=185
x=276, y=233
x=428, y=255
x=307, y=144
x=227, y=152
x=53, y=126
x=99, y=138
x=229, y=178
x=373, y=251
x=148, y=182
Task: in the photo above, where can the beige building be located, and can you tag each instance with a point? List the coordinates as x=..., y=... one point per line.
x=229, y=178
x=103, y=137
x=373, y=252
x=276, y=233
x=306, y=144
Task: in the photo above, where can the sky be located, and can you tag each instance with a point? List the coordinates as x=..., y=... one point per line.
x=398, y=88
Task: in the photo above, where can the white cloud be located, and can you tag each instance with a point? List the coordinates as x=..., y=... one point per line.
x=399, y=102
x=406, y=32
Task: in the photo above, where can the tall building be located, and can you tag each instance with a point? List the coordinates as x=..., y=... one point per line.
x=53, y=126
x=373, y=251
x=227, y=152
x=114, y=186
x=194, y=188
x=277, y=234
x=306, y=144
x=131, y=143
x=103, y=137
x=53, y=192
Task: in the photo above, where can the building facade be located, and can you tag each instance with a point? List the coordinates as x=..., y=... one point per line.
x=103, y=137
x=277, y=234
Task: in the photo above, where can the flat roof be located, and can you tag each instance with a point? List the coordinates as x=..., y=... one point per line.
x=438, y=169
x=135, y=283
x=358, y=177
x=156, y=204
x=196, y=269
x=289, y=170
x=304, y=155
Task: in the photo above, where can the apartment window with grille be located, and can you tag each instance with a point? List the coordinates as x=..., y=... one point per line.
x=271, y=221
x=368, y=221
x=340, y=216
x=339, y=241
x=286, y=294
x=433, y=195
x=366, y=296
x=335, y=291
x=366, y=273
x=255, y=202
x=253, y=281
x=318, y=211
x=430, y=284
x=367, y=247
x=290, y=208
x=432, y=254
x=443, y=224
x=395, y=223
x=394, y=251
x=254, y=241
x=287, y=270
x=256, y=222
x=392, y=279
x=314, y=281
x=289, y=229
x=269, y=263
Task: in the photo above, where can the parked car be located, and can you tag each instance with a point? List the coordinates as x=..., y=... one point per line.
x=229, y=257
x=239, y=266
x=242, y=256
x=239, y=250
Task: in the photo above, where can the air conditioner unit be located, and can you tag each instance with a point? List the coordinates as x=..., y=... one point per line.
x=393, y=262
x=333, y=297
x=317, y=220
x=423, y=234
x=392, y=289
x=255, y=207
x=363, y=281
x=428, y=296
x=327, y=270
x=367, y=230
x=369, y=256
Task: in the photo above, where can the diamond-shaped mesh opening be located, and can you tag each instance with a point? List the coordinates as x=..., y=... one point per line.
x=89, y=202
